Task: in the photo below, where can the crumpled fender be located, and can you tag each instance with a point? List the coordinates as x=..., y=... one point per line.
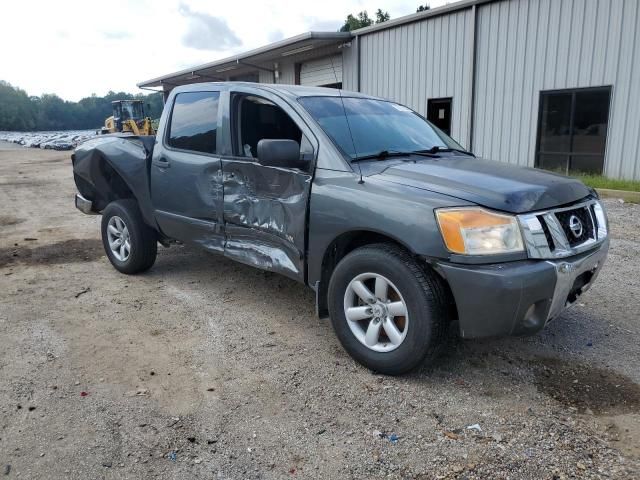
x=128, y=155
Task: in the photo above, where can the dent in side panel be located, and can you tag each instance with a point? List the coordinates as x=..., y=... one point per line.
x=128, y=155
x=260, y=249
x=265, y=216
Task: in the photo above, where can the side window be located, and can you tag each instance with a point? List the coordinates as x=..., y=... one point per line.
x=194, y=122
x=257, y=118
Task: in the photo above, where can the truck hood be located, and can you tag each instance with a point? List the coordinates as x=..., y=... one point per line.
x=495, y=185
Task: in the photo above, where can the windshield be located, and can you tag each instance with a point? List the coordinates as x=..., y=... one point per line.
x=132, y=110
x=375, y=125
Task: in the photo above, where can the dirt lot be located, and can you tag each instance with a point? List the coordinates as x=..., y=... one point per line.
x=204, y=368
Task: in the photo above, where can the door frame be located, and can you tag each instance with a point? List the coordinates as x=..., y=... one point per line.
x=201, y=231
x=442, y=100
x=227, y=155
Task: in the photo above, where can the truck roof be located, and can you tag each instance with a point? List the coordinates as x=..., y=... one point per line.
x=294, y=91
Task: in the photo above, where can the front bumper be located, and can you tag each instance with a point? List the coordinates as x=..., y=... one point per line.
x=519, y=298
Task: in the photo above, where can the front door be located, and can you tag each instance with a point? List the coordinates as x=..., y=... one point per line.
x=265, y=208
x=186, y=172
x=439, y=113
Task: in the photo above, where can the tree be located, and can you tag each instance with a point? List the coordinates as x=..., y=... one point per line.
x=362, y=20
x=382, y=16
x=19, y=112
x=423, y=8
x=16, y=109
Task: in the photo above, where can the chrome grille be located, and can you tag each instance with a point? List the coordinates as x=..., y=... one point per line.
x=580, y=217
x=555, y=234
x=547, y=233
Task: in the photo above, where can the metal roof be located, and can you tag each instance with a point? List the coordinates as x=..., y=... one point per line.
x=263, y=58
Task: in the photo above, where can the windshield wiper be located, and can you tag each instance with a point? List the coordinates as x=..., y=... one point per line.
x=384, y=154
x=439, y=149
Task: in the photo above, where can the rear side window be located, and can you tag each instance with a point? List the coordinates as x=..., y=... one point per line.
x=194, y=122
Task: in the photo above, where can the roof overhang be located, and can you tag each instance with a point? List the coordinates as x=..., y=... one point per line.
x=296, y=48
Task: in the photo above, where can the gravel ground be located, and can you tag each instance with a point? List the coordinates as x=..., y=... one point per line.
x=204, y=368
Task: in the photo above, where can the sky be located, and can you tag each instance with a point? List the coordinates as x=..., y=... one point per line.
x=76, y=48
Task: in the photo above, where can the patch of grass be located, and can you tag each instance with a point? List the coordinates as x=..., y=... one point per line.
x=599, y=181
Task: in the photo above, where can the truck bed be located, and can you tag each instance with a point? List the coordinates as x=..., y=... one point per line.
x=106, y=167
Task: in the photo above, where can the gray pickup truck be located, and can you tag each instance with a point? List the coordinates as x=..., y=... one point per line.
x=397, y=229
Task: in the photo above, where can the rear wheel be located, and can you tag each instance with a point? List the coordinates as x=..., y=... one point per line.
x=388, y=311
x=130, y=244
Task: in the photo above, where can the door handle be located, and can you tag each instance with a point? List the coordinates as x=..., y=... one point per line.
x=162, y=163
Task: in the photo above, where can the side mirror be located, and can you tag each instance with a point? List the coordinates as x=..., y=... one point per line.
x=280, y=153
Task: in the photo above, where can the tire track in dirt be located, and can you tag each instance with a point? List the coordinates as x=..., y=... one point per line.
x=67, y=251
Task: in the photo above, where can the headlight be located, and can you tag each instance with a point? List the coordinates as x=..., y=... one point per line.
x=475, y=231
x=601, y=220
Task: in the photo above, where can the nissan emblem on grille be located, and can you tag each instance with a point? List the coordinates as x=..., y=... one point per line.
x=575, y=225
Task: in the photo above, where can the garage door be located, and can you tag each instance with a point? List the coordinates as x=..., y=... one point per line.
x=322, y=72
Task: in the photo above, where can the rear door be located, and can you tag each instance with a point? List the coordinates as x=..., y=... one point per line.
x=265, y=208
x=186, y=171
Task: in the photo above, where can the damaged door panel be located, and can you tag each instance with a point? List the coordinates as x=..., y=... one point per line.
x=264, y=215
x=186, y=173
x=265, y=202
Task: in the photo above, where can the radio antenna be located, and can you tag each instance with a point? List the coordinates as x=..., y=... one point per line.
x=344, y=111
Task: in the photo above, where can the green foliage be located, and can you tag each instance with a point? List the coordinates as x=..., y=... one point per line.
x=362, y=20
x=16, y=109
x=382, y=16
x=423, y=8
x=20, y=112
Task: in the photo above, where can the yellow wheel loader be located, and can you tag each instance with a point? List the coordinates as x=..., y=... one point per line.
x=128, y=117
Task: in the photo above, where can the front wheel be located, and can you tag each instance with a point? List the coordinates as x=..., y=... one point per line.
x=130, y=244
x=388, y=311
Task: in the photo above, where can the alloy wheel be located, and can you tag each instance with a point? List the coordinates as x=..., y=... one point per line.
x=376, y=312
x=119, y=239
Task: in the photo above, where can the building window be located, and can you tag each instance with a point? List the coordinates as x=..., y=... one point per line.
x=572, y=130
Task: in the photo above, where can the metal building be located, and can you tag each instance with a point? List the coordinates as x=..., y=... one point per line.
x=547, y=83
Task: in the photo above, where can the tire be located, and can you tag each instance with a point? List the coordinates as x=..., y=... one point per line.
x=143, y=245
x=423, y=295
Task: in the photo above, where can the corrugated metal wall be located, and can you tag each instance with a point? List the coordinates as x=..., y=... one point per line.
x=523, y=47
x=412, y=63
x=265, y=76
x=350, y=66
x=287, y=68
x=287, y=73
x=528, y=46
x=323, y=71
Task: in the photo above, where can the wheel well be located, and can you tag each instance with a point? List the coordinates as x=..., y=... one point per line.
x=346, y=243
x=107, y=187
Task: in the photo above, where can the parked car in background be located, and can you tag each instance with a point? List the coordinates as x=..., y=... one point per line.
x=59, y=140
x=397, y=229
